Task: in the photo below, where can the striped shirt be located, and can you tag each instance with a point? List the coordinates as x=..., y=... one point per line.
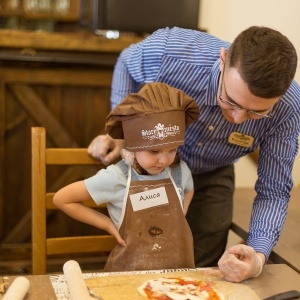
x=190, y=60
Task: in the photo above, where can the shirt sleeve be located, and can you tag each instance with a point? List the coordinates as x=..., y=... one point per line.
x=137, y=64
x=107, y=186
x=187, y=178
x=276, y=158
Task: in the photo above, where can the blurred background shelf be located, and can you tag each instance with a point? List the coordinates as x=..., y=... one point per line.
x=48, y=15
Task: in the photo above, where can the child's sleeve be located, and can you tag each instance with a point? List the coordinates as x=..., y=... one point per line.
x=106, y=185
x=187, y=179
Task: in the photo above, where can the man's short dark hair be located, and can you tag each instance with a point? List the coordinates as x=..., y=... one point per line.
x=265, y=59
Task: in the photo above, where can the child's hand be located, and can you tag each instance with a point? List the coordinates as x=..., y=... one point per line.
x=114, y=232
x=120, y=240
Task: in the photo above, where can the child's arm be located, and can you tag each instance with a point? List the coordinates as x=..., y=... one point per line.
x=187, y=200
x=69, y=199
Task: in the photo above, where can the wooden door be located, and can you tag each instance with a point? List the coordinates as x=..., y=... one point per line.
x=71, y=103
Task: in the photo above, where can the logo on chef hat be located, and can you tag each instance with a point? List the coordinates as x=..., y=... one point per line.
x=160, y=131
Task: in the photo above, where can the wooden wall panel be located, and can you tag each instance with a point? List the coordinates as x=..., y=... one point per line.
x=72, y=105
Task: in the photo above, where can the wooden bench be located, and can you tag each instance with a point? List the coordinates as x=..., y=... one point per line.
x=287, y=249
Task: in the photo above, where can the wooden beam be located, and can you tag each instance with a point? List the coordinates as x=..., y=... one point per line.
x=61, y=77
x=71, y=41
x=2, y=167
x=40, y=113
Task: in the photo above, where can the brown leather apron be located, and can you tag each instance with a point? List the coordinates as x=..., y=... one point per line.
x=158, y=237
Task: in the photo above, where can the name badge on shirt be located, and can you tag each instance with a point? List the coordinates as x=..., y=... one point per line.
x=149, y=198
x=241, y=139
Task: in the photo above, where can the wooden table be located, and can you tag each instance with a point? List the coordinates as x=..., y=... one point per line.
x=276, y=278
x=287, y=250
x=40, y=288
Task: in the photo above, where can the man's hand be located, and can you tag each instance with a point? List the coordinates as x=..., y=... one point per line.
x=240, y=262
x=105, y=148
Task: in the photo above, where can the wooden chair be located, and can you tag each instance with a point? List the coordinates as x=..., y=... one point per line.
x=42, y=247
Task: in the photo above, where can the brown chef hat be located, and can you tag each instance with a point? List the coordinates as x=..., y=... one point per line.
x=155, y=117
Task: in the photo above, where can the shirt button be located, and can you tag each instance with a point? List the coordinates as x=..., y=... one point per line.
x=211, y=128
x=199, y=144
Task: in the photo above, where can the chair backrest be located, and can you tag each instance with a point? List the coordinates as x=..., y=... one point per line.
x=42, y=247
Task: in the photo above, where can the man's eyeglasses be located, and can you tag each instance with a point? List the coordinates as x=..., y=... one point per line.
x=234, y=105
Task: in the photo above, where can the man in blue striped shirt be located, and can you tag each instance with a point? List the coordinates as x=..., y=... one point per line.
x=248, y=100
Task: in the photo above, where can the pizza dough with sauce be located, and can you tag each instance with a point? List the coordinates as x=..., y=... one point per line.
x=179, y=288
x=127, y=286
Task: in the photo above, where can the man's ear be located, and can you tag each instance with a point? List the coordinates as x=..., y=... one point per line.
x=223, y=54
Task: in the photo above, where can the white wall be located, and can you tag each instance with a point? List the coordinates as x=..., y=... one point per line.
x=226, y=18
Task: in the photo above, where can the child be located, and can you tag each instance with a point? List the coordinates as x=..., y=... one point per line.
x=148, y=192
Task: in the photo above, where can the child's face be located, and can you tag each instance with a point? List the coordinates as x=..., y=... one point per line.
x=155, y=161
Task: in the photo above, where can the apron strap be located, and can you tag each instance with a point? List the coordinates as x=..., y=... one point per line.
x=125, y=198
x=175, y=187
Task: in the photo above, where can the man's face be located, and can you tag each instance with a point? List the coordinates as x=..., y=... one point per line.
x=236, y=101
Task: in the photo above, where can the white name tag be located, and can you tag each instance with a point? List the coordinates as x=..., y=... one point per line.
x=149, y=198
